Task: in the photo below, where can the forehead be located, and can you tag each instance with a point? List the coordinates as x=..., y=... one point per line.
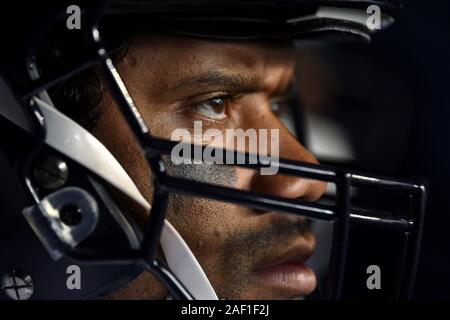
x=172, y=57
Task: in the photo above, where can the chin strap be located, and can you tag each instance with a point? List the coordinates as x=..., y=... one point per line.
x=81, y=146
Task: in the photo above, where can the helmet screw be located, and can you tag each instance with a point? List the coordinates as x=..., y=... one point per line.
x=51, y=173
x=70, y=214
x=17, y=285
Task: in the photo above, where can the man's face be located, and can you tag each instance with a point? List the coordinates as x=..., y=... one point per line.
x=175, y=81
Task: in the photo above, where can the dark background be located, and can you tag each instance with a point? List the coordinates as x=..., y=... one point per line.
x=421, y=42
x=392, y=98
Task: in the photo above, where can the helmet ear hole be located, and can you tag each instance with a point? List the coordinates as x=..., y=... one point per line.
x=63, y=219
x=71, y=215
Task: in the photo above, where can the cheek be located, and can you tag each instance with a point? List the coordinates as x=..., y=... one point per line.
x=206, y=225
x=200, y=220
x=113, y=131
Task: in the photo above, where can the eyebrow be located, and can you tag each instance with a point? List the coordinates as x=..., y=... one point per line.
x=218, y=79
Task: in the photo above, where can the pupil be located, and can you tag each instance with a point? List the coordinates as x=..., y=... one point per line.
x=217, y=105
x=217, y=102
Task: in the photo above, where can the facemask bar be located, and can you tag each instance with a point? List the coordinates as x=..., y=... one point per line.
x=340, y=213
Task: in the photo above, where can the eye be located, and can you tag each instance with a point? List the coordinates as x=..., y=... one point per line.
x=213, y=108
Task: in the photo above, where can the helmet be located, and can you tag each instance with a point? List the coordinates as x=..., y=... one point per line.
x=57, y=209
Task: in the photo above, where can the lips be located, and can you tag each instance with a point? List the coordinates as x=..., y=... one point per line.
x=286, y=274
x=289, y=278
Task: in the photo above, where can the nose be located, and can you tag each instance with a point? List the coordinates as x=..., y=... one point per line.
x=287, y=185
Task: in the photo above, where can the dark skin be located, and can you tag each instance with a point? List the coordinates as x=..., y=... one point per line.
x=175, y=81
